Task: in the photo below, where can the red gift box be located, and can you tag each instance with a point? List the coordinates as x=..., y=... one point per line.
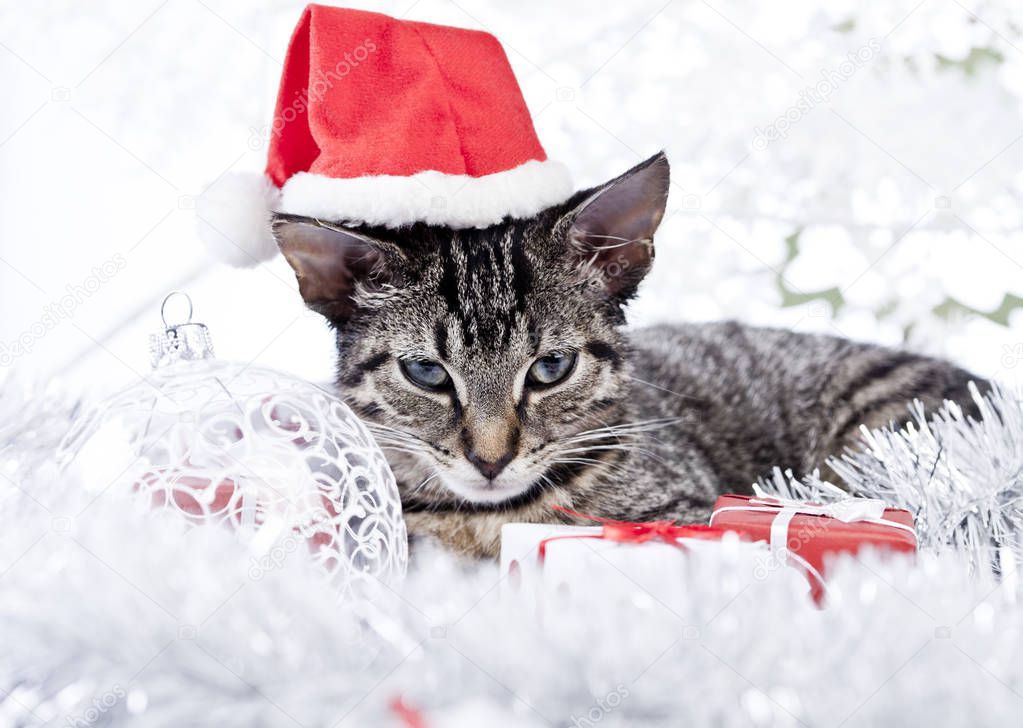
x=806, y=534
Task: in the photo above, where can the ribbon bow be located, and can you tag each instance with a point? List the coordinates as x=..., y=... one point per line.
x=636, y=533
x=848, y=510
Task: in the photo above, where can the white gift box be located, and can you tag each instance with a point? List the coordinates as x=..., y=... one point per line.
x=577, y=560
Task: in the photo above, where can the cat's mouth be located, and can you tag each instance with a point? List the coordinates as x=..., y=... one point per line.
x=498, y=491
x=498, y=495
x=503, y=500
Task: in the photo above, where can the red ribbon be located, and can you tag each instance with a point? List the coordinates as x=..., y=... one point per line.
x=627, y=532
x=408, y=715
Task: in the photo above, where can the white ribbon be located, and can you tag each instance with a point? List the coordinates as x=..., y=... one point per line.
x=849, y=510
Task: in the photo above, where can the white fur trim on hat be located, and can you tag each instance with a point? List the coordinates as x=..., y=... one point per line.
x=457, y=201
x=234, y=218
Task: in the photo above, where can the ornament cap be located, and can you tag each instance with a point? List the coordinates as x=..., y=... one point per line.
x=186, y=341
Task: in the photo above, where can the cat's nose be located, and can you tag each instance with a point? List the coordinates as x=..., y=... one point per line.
x=490, y=444
x=489, y=469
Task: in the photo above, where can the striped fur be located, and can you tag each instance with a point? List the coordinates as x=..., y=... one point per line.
x=652, y=423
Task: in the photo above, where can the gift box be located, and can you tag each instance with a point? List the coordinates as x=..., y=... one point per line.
x=805, y=535
x=653, y=557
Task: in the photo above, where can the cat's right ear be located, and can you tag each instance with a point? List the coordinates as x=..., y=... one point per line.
x=332, y=263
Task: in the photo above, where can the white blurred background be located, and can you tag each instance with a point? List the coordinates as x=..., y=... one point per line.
x=846, y=167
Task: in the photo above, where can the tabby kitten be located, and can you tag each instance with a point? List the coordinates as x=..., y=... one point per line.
x=493, y=366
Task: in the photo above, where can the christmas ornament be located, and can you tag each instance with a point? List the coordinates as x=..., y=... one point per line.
x=281, y=461
x=388, y=122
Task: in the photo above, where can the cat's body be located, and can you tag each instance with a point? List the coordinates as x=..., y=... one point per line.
x=494, y=368
x=730, y=402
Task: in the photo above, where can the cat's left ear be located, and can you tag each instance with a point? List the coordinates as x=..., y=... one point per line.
x=612, y=230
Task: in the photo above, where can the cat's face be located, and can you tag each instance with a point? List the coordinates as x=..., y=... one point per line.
x=485, y=358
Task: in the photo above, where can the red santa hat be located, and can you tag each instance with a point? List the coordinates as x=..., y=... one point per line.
x=388, y=122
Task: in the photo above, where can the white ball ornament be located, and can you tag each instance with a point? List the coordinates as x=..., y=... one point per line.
x=281, y=461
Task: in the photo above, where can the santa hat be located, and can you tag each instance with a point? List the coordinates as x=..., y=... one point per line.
x=387, y=122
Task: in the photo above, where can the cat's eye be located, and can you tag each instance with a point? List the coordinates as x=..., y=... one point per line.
x=425, y=373
x=551, y=368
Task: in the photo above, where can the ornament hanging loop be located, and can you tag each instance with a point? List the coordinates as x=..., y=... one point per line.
x=187, y=341
x=163, y=309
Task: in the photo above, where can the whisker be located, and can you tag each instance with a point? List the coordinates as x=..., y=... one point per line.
x=395, y=439
x=386, y=437
x=376, y=427
x=638, y=426
x=622, y=244
x=547, y=483
x=620, y=447
x=622, y=431
x=608, y=237
x=421, y=486
x=600, y=445
x=399, y=448
x=613, y=468
x=391, y=438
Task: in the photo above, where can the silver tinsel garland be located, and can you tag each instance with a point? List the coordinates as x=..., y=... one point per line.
x=962, y=479
x=114, y=616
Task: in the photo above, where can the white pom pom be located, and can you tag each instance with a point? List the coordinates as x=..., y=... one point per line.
x=234, y=218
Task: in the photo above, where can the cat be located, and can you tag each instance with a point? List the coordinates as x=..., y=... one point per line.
x=494, y=367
